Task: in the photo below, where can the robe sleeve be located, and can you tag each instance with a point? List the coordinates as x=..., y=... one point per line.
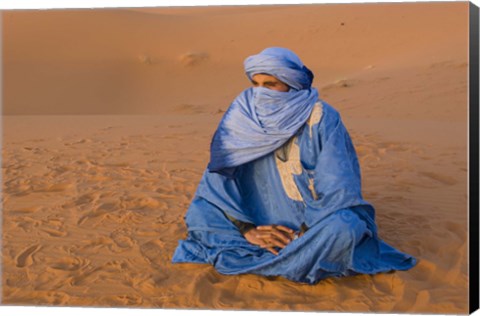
x=242, y=226
x=216, y=202
x=336, y=174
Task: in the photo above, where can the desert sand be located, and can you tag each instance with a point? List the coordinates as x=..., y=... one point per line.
x=107, y=121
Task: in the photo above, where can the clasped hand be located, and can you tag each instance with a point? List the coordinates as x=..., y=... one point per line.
x=270, y=237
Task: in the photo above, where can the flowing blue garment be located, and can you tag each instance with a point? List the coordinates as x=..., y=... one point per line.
x=312, y=178
x=257, y=122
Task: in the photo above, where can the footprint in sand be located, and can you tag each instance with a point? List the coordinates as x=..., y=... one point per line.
x=139, y=202
x=99, y=212
x=389, y=283
x=155, y=253
x=86, y=198
x=53, y=188
x=19, y=279
x=24, y=210
x=25, y=258
x=57, y=298
x=125, y=216
x=87, y=275
x=122, y=240
x=69, y=264
x=55, y=231
x=26, y=223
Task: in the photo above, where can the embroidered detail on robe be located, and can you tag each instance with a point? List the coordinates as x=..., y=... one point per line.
x=289, y=166
x=315, y=117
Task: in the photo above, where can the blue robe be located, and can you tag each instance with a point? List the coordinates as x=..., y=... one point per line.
x=313, y=179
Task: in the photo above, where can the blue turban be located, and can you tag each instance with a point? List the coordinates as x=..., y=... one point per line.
x=261, y=120
x=281, y=63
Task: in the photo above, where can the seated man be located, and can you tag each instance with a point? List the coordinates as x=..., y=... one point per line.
x=282, y=193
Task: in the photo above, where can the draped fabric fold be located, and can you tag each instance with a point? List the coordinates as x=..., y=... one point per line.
x=257, y=122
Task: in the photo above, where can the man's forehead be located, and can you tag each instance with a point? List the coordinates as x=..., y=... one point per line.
x=265, y=77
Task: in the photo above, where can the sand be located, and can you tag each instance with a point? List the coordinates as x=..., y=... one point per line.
x=107, y=120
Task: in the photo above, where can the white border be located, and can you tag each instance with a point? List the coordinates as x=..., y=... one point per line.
x=50, y=4
x=58, y=4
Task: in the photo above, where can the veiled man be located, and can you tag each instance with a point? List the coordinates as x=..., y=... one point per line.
x=281, y=195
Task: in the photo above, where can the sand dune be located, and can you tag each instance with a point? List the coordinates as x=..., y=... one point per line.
x=93, y=205
x=128, y=62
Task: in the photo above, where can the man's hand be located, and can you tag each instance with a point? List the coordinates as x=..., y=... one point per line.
x=270, y=237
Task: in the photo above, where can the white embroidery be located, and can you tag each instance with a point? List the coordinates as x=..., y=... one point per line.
x=291, y=165
x=311, y=186
x=316, y=116
x=287, y=169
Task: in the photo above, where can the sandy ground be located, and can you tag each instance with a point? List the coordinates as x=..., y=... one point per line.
x=108, y=115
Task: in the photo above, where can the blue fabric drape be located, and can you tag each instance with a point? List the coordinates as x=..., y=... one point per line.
x=342, y=238
x=257, y=122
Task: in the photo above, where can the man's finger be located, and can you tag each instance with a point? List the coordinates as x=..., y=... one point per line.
x=278, y=243
x=274, y=240
x=278, y=227
x=289, y=233
x=265, y=227
x=263, y=235
x=269, y=240
x=271, y=235
x=282, y=236
x=272, y=250
x=285, y=229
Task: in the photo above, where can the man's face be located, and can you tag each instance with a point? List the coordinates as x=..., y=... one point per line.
x=269, y=82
